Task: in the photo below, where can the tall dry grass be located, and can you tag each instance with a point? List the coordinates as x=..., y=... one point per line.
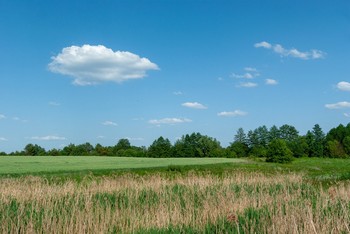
x=240, y=203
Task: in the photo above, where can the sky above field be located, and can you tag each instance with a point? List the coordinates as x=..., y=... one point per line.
x=97, y=71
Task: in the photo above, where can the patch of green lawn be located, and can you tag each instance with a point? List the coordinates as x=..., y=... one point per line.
x=27, y=165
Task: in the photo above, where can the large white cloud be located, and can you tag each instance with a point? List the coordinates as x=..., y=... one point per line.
x=169, y=121
x=194, y=105
x=234, y=113
x=338, y=105
x=344, y=86
x=279, y=49
x=91, y=64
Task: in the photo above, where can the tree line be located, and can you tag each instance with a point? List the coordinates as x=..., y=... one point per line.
x=276, y=144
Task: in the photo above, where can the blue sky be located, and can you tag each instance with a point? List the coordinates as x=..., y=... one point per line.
x=97, y=71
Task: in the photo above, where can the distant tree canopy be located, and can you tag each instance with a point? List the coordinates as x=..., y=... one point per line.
x=277, y=144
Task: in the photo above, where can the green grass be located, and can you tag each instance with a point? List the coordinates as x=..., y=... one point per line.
x=324, y=170
x=10, y=165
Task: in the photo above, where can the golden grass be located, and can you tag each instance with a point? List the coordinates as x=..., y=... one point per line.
x=246, y=202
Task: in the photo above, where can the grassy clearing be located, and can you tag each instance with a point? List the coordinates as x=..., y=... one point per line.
x=30, y=165
x=241, y=202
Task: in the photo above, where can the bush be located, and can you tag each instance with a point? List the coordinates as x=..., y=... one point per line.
x=279, y=152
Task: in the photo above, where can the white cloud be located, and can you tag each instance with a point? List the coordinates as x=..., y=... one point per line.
x=100, y=137
x=279, y=49
x=271, y=82
x=338, y=105
x=194, y=105
x=344, y=86
x=246, y=75
x=247, y=85
x=3, y=139
x=54, y=104
x=250, y=73
x=2, y=116
x=109, y=123
x=234, y=113
x=91, y=64
x=263, y=44
x=135, y=138
x=250, y=69
x=169, y=121
x=19, y=119
x=177, y=93
x=49, y=138
x=347, y=115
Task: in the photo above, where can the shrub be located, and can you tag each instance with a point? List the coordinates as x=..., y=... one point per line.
x=279, y=152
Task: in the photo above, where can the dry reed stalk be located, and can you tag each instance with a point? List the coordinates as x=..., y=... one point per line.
x=129, y=203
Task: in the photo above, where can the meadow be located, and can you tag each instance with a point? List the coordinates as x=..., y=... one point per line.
x=45, y=164
x=249, y=196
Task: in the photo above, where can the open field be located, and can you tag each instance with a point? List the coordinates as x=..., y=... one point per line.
x=242, y=196
x=25, y=164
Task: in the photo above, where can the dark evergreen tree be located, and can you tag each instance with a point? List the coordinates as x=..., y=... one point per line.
x=160, y=148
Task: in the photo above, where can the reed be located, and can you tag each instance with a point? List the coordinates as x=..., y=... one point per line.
x=241, y=202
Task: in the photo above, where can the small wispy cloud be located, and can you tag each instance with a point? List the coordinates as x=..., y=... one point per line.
x=343, y=86
x=48, y=138
x=19, y=119
x=247, y=85
x=177, y=93
x=263, y=44
x=347, y=115
x=100, y=137
x=338, y=105
x=194, y=105
x=54, y=104
x=234, y=113
x=271, y=82
x=169, y=121
x=3, y=139
x=250, y=69
x=250, y=73
x=295, y=53
x=135, y=138
x=2, y=116
x=109, y=123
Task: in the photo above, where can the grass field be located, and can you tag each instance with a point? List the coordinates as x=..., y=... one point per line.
x=25, y=164
x=310, y=195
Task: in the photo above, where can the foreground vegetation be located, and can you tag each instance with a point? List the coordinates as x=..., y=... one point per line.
x=309, y=195
x=240, y=202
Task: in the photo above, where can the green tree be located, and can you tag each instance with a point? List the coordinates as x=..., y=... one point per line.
x=317, y=148
x=240, y=149
x=160, y=148
x=279, y=152
x=299, y=147
x=335, y=149
x=240, y=136
x=274, y=133
x=34, y=150
x=288, y=133
x=346, y=144
x=197, y=145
